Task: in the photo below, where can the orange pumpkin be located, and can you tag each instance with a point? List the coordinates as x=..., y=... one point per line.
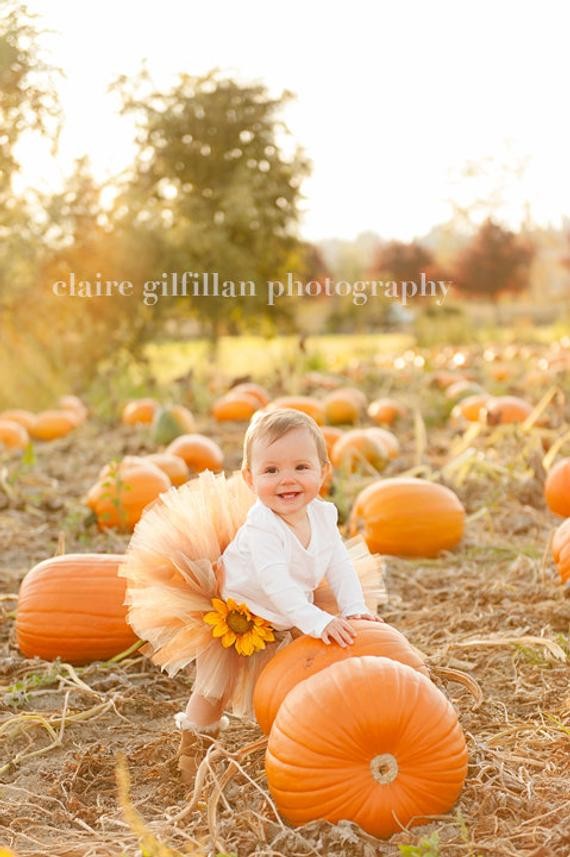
x=235, y=407
x=13, y=435
x=71, y=607
x=17, y=415
x=386, y=411
x=344, y=406
x=173, y=465
x=557, y=488
x=306, y=656
x=561, y=550
x=506, y=409
x=74, y=404
x=198, y=451
x=122, y=492
x=331, y=434
x=444, y=379
x=358, y=449
x=51, y=425
x=408, y=517
x=387, y=439
x=369, y=740
x=139, y=411
x=470, y=408
x=170, y=422
x=256, y=390
x=307, y=404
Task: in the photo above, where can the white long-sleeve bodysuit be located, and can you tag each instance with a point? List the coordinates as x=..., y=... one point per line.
x=267, y=567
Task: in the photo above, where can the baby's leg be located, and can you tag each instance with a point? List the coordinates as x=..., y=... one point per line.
x=204, y=711
x=200, y=724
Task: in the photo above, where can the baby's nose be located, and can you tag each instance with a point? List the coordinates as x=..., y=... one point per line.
x=288, y=476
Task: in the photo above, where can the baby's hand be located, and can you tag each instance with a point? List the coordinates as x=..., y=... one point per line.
x=340, y=631
x=368, y=616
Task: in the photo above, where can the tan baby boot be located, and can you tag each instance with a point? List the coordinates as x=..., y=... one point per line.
x=194, y=742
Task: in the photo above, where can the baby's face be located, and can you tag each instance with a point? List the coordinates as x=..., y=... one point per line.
x=286, y=474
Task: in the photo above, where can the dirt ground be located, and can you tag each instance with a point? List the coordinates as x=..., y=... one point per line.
x=87, y=763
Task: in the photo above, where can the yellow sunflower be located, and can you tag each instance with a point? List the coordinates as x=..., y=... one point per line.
x=237, y=626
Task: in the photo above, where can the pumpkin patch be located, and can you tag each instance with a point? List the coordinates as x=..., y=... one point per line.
x=367, y=741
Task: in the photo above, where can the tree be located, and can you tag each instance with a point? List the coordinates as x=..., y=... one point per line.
x=401, y=261
x=28, y=103
x=82, y=246
x=496, y=261
x=212, y=180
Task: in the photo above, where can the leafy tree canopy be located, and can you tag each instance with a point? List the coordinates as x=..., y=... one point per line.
x=495, y=262
x=212, y=178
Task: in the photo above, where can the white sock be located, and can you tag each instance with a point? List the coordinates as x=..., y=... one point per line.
x=184, y=723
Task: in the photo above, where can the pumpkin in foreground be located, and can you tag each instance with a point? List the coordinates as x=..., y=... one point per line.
x=404, y=516
x=71, y=607
x=369, y=740
x=306, y=656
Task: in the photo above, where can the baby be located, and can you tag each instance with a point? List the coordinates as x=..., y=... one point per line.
x=287, y=545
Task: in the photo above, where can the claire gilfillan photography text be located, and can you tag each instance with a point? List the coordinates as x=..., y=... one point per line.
x=210, y=285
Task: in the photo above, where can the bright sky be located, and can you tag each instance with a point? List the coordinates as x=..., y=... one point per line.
x=393, y=96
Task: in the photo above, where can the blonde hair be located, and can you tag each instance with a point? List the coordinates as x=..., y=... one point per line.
x=271, y=425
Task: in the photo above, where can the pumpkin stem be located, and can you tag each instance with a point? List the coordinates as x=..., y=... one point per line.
x=384, y=768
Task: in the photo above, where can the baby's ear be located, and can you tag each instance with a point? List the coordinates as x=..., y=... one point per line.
x=246, y=473
x=326, y=470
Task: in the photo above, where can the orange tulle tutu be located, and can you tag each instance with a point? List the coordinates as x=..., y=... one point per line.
x=173, y=574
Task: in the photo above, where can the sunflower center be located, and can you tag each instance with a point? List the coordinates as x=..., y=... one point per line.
x=238, y=623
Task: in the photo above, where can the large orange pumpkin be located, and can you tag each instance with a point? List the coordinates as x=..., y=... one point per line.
x=307, y=404
x=557, y=488
x=388, y=440
x=71, y=607
x=198, y=451
x=331, y=434
x=256, y=390
x=139, y=411
x=51, y=425
x=306, y=656
x=386, y=411
x=236, y=407
x=561, y=550
x=408, y=517
x=13, y=435
x=507, y=409
x=344, y=406
x=369, y=740
x=357, y=449
x=122, y=492
x=173, y=465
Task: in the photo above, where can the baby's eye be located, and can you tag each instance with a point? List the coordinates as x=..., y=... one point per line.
x=302, y=467
x=270, y=470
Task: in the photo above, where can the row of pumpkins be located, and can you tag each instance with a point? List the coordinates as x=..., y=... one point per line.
x=342, y=406
x=392, y=728
x=396, y=516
